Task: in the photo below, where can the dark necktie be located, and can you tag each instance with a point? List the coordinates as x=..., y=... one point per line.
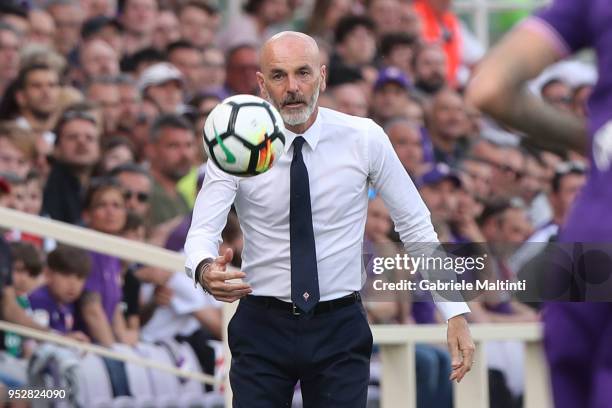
x=304, y=276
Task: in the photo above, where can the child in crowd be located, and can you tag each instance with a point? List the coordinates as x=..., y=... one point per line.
x=27, y=268
x=54, y=304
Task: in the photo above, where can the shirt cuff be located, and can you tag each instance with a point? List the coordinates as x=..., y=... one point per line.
x=452, y=309
x=192, y=263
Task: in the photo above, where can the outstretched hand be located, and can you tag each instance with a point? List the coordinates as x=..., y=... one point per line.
x=215, y=279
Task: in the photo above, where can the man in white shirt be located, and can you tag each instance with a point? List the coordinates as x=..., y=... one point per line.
x=300, y=316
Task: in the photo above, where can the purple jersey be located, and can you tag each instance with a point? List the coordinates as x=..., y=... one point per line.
x=56, y=316
x=105, y=279
x=572, y=25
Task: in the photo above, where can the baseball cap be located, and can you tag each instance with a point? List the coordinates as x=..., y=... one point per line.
x=392, y=75
x=438, y=173
x=158, y=74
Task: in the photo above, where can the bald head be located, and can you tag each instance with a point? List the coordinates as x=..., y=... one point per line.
x=291, y=77
x=290, y=44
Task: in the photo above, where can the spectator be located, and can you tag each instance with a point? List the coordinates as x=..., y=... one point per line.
x=136, y=183
x=9, y=55
x=325, y=16
x=386, y=16
x=414, y=110
x=167, y=29
x=429, y=68
x=189, y=60
x=355, y=42
x=390, y=95
x=33, y=193
x=27, y=268
x=54, y=303
x=17, y=194
x=507, y=165
x=441, y=26
x=116, y=151
x=42, y=28
x=533, y=187
x=104, y=210
x=17, y=150
x=97, y=59
x=104, y=28
x=163, y=84
x=171, y=154
x=558, y=93
x=397, y=50
x=350, y=98
x=480, y=175
x=76, y=152
x=68, y=17
x=255, y=25
x=213, y=70
x=406, y=140
x=104, y=91
x=446, y=125
x=439, y=186
x=15, y=14
x=37, y=92
x=136, y=63
x=202, y=104
x=129, y=104
x=242, y=65
x=138, y=17
x=199, y=22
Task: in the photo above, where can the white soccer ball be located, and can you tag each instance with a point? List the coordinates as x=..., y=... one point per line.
x=244, y=135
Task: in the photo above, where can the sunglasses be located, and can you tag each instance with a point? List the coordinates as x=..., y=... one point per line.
x=141, y=196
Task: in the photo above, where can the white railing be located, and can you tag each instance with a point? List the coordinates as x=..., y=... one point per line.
x=396, y=342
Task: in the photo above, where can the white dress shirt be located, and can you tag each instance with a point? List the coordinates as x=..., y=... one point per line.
x=343, y=154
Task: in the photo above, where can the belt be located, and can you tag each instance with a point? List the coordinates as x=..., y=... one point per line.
x=271, y=302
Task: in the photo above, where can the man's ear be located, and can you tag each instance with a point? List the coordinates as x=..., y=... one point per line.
x=323, y=84
x=262, y=86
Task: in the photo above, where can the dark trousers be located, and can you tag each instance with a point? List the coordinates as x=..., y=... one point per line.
x=329, y=353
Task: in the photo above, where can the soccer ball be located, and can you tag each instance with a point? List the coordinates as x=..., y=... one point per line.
x=244, y=135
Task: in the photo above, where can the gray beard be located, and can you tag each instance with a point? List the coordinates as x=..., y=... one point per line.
x=301, y=116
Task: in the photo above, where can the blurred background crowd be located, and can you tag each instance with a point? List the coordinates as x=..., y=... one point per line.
x=101, y=112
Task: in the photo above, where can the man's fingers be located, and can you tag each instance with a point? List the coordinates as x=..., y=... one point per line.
x=221, y=276
x=468, y=357
x=228, y=287
x=453, y=348
x=225, y=258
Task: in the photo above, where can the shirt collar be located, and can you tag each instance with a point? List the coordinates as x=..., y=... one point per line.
x=312, y=134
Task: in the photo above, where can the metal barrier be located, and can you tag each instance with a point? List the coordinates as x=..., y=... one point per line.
x=396, y=342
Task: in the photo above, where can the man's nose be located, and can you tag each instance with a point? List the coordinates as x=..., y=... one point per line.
x=292, y=84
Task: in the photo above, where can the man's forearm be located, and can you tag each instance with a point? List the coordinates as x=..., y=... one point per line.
x=498, y=88
x=547, y=127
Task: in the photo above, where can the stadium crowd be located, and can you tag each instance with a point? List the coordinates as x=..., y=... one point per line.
x=102, y=107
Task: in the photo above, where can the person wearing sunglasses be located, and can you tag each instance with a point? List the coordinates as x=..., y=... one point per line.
x=136, y=184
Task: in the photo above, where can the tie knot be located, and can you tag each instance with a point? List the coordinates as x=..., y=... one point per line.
x=298, y=142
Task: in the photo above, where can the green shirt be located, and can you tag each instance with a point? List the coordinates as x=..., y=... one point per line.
x=165, y=207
